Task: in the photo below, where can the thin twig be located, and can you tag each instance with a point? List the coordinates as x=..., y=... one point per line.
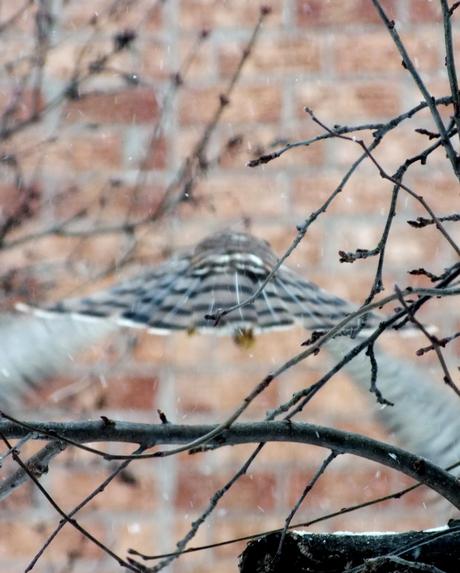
x=379, y=130
x=442, y=342
x=368, y=151
x=421, y=86
x=301, y=232
x=217, y=496
x=310, y=485
x=15, y=16
x=196, y=163
x=424, y=222
x=100, y=488
x=62, y=513
x=37, y=464
x=450, y=61
x=396, y=495
x=434, y=341
x=374, y=370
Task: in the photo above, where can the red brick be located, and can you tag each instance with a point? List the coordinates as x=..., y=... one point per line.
x=374, y=481
x=362, y=100
x=64, y=392
x=97, y=252
x=133, y=491
x=188, y=347
x=12, y=544
x=24, y=538
x=9, y=200
x=186, y=143
x=157, y=157
x=83, y=14
x=135, y=533
x=199, y=14
x=440, y=189
x=17, y=106
x=368, y=192
x=61, y=61
x=227, y=197
x=104, y=199
x=349, y=281
x=154, y=62
x=413, y=248
x=401, y=145
x=153, y=248
x=376, y=53
x=234, y=151
x=21, y=499
x=306, y=255
x=390, y=153
x=152, y=349
x=185, y=236
x=248, y=103
x=202, y=66
x=280, y=55
x=269, y=350
x=424, y=50
x=439, y=87
x=15, y=53
x=139, y=202
x=25, y=20
x=364, y=234
x=327, y=407
x=85, y=151
x=424, y=11
x=138, y=106
x=193, y=489
x=263, y=140
x=215, y=393
x=253, y=490
x=336, y=12
x=28, y=146
x=107, y=350
x=406, y=348
x=256, y=490
x=130, y=392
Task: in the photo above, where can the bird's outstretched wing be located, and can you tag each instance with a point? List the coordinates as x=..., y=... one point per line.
x=425, y=416
x=32, y=349
x=221, y=271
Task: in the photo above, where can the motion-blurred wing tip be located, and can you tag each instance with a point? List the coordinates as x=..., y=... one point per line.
x=24, y=307
x=57, y=312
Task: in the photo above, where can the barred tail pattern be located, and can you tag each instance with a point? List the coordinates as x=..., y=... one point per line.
x=221, y=271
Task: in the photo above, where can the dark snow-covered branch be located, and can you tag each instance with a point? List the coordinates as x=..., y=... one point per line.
x=149, y=435
x=434, y=551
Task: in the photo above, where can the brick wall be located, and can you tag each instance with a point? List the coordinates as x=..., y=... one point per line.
x=84, y=156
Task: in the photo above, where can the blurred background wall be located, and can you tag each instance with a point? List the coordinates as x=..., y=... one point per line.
x=116, y=116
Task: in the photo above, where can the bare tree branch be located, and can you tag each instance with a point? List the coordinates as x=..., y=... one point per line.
x=148, y=435
x=409, y=65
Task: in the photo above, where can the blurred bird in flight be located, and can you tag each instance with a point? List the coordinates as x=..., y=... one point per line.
x=222, y=271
